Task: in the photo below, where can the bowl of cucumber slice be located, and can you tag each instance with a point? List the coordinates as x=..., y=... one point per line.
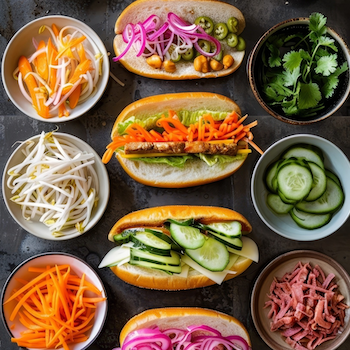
x=300, y=189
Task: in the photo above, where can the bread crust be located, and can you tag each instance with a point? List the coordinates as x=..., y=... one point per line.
x=140, y=10
x=162, y=281
x=195, y=171
x=181, y=317
x=155, y=217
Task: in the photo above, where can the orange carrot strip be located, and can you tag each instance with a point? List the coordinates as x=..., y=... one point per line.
x=34, y=281
x=41, y=63
x=80, y=69
x=71, y=44
x=52, y=59
x=107, y=156
x=74, y=97
x=256, y=147
x=55, y=29
x=241, y=120
x=38, y=98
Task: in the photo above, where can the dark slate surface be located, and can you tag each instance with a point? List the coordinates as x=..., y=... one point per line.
x=233, y=297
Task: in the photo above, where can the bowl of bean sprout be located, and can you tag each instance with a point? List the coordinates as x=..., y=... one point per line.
x=55, y=186
x=55, y=69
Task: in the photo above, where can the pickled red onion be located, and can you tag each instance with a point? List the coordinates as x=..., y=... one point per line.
x=173, y=338
x=149, y=38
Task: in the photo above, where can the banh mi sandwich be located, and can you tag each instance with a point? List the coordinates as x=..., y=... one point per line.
x=180, y=247
x=179, y=327
x=180, y=39
x=181, y=139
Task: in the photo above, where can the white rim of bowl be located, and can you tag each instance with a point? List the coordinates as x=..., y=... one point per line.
x=97, y=41
x=326, y=232
x=105, y=181
x=251, y=63
x=53, y=253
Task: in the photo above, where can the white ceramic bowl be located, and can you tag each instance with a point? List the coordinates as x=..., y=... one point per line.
x=37, y=228
x=21, y=44
x=334, y=160
x=78, y=267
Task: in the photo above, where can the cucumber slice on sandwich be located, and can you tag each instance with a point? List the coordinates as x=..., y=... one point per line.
x=187, y=237
x=213, y=255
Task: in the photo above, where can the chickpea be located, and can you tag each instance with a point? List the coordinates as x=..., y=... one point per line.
x=201, y=64
x=228, y=61
x=169, y=66
x=216, y=65
x=154, y=61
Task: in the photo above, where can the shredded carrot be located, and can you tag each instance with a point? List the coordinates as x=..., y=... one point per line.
x=172, y=129
x=38, y=97
x=54, y=309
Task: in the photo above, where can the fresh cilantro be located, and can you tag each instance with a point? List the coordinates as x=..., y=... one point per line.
x=292, y=60
x=326, y=65
x=301, y=69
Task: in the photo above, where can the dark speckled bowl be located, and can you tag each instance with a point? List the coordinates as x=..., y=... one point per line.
x=255, y=73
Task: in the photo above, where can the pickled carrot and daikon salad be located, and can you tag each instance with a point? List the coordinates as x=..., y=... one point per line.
x=61, y=73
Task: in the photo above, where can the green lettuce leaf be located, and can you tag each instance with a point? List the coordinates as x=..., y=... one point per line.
x=176, y=161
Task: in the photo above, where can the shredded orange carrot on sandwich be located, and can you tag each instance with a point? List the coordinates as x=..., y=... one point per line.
x=206, y=129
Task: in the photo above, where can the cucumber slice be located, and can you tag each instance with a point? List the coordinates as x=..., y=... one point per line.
x=213, y=255
x=333, y=177
x=151, y=243
x=308, y=152
x=165, y=238
x=294, y=181
x=270, y=176
x=166, y=268
x=275, y=202
x=228, y=229
x=186, y=236
x=330, y=201
x=286, y=200
x=125, y=236
x=137, y=254
x=319, y=184
x=233, y=242
x=187, y=222
x=309, y=221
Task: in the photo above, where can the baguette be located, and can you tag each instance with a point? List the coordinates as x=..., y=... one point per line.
x=195, y=171
x=188, y=10
x=155, y=218
x=183, y=317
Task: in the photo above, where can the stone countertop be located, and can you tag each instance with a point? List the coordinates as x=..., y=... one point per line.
x=232, y=297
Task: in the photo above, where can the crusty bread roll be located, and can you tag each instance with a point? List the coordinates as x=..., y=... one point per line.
x=155, y=218
x=195, y=172
x=182, y=317
x=189, y=10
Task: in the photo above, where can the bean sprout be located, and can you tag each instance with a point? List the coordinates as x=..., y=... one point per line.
x=56, y=184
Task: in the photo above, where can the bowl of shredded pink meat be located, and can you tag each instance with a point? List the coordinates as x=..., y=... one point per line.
x=301, y=301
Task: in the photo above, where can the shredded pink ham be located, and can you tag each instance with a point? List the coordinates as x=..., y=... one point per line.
x=306, y=307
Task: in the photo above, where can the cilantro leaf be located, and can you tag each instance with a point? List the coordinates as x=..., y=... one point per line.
x=328, y=42
x=342, y=69
x=292, y=60
x=318, y=23
x=326, y=65
x=309, y=95
x=290, y=78
x=274, y=58
x=330, y=85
